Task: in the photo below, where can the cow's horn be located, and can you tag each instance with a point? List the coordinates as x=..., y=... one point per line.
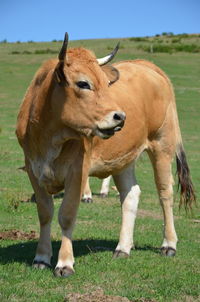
x=63, y=50
x=108, y=58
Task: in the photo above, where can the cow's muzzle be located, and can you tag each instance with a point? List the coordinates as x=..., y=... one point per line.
x=113, y=122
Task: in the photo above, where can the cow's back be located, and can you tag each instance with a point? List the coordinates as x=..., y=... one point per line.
x=144, y=93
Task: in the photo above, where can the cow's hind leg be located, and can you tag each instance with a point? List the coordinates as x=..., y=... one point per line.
x=45, y=209
x=161, y=161
x=129, y=197
x=105, y=186
x=87, y=194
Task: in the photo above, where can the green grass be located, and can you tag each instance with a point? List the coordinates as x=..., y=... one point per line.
x=145, y=274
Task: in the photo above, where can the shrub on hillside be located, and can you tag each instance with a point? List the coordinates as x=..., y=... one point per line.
x=170, y=48
x=36, y=52
x=45, y=51
x=138, y=39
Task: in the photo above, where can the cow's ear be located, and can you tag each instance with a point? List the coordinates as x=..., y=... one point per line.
x=111, y=72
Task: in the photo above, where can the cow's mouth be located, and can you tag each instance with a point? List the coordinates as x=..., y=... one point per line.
x=106, y=133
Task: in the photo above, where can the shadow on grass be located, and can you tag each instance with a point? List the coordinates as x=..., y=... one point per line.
x=24, y=252
x=147, y=248
x=110, y=194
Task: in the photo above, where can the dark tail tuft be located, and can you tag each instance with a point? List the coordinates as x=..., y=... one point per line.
x=184, y=181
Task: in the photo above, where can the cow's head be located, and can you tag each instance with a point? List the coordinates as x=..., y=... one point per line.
x=81, y=97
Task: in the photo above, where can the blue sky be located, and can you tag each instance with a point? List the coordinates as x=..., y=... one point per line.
x=45, y=20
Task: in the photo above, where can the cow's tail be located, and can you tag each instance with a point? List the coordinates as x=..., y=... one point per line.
x=184, y=180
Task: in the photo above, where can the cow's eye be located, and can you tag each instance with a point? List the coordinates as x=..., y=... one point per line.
x=83, y=85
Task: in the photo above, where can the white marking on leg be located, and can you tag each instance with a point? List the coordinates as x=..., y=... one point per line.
x=65, y=257
x=42, y=258
x=167, y=243
x=105, y=185
x=129, y=212
x=66, y=263
x=87, y=194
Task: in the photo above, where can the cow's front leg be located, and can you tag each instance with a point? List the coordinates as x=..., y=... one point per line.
x=67, y=217
x=129, y=197
x=74, y=185
x=45, y=210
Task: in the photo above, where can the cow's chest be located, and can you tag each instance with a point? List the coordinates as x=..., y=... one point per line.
x=48, y=176
x=52, y=168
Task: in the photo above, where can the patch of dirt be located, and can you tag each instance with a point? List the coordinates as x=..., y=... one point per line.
x=196, y=220
x=99, y=296
x=28, y=199
x=149, y=213
x=96, y=296
x=189, y=299
x=16, y=234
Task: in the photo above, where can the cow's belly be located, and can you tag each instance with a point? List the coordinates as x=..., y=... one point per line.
x=104, y=166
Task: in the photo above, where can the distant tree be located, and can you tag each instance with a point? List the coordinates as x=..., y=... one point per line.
x=4, y=41
x=15, y=52
x=26, y=52
x=169, y=34
x=184, y=35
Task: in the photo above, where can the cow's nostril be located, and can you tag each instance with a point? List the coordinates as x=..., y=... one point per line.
x=119, y=116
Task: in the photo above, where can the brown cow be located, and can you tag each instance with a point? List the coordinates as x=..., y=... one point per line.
x=70, y=105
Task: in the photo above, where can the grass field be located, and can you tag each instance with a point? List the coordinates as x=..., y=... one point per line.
x=145, y=276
